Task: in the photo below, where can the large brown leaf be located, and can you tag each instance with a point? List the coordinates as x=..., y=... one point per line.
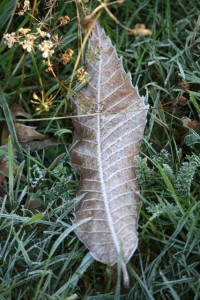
x=106, y=141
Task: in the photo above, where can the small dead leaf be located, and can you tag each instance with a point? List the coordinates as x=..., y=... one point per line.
x=27, y=133
x=140, y=29
x=4, y=169
x=87, y=23
x=18, y=111
x=39, y=145
x=34, y=205
x=29, y=137
x=24, y=134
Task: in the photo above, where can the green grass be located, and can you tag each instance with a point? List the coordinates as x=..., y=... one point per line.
x=40, y=255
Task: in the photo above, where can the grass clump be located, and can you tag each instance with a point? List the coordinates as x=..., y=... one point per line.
x=42, y=66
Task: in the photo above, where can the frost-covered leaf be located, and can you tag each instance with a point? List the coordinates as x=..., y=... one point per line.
x=106, y=142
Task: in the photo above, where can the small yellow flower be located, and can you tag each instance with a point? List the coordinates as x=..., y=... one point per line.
x=82, y=76
x=42, y=103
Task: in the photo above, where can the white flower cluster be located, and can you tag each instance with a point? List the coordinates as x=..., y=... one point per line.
x=28, y=41
x=46, y=47
x=10, y=39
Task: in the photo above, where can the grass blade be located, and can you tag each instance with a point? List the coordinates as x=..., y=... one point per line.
x=10, y=124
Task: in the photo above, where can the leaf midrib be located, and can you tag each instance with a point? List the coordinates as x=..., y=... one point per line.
x=99, y=158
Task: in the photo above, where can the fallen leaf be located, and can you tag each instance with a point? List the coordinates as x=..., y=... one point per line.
x=39, y=145
x=106, y=142
x=4, y=169
x=27, y=133
x=24, y=133
x=29, y=137
x=18, y=111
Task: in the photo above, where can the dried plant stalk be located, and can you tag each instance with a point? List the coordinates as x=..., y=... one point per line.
x=106, y=142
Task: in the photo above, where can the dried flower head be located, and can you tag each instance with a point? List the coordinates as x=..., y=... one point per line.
x=180, y=102
x=42, y=33
x=49, y=68
x=140, y=29
x=25, y=8
x=194, y=124
x=26, y=5
x=66, y=57
x=28, y=42
x=87, y=23
x=57, y=40
x=46, y=47
x=64, y=20
x=24, y=31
